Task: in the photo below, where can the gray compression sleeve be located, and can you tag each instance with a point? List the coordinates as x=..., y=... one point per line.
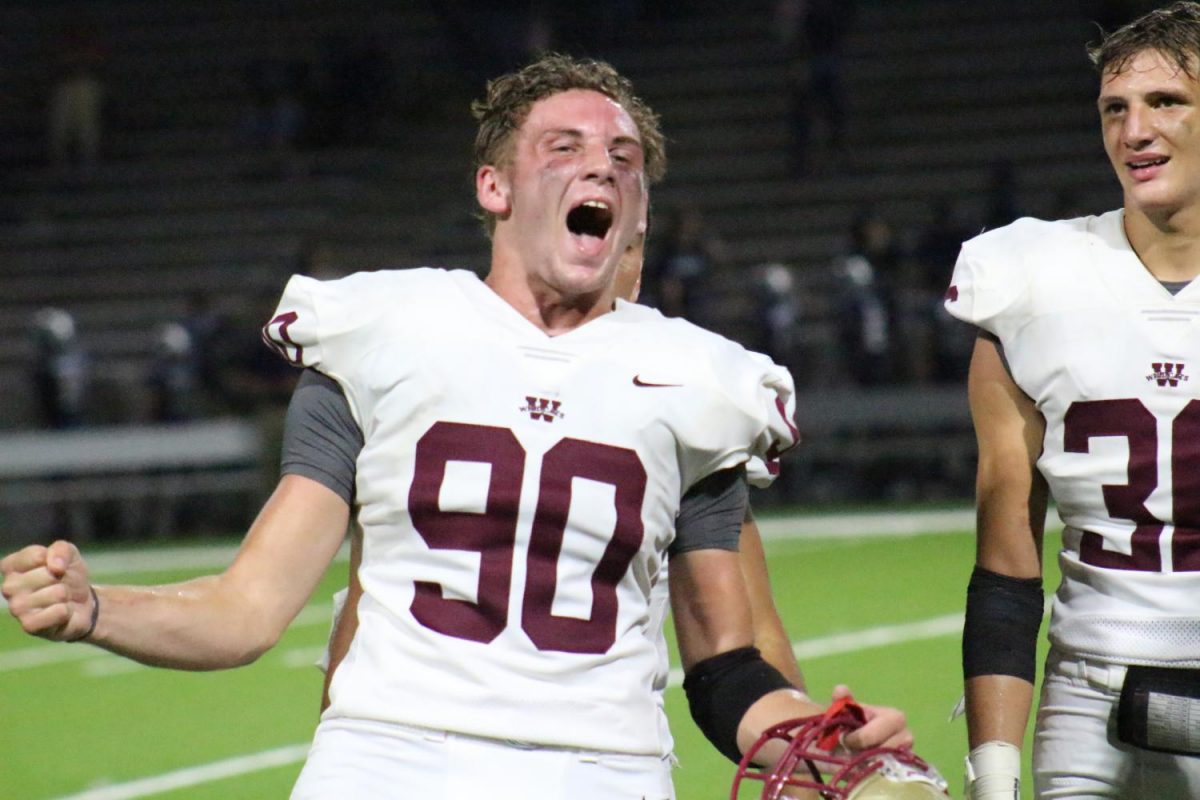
x=711, y=513
x=321, y=440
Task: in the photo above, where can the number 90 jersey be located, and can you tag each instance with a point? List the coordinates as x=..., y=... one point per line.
x=517, y=494
x=1107, y=354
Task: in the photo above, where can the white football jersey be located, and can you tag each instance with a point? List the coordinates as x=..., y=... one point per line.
x=517, y=495
x=1107, y=354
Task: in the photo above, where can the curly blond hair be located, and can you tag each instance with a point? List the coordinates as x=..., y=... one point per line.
x=509, y=98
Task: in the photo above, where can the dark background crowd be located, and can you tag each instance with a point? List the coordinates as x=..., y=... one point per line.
x=165, y=167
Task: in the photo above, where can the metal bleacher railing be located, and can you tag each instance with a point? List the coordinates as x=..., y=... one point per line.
x=162, y=464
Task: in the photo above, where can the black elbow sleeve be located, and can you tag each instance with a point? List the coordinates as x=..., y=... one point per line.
x=1001, y=629
x=721, y=689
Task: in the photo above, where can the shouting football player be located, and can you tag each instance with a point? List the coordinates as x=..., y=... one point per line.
x=770, y=637
x=521, y=454
x=1080, y=387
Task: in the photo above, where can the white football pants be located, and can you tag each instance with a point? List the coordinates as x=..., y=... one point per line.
x=1076, y=753
x=363, y=759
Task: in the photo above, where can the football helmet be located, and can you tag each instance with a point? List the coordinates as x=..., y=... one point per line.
x=810, y=761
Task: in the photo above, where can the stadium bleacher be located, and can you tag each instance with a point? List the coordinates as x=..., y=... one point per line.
x=180, y=203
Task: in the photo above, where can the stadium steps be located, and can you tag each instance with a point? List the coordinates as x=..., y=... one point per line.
x=178, y=204
x=937, y=92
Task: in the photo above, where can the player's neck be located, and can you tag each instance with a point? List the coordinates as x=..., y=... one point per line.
x=1168, y=245
x=551, y=311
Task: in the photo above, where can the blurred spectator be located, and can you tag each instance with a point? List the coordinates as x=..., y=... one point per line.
x=75, y=123
x=935, y=350
x=951, y=342
x=776, y=313
x=211, y=341
x=685, y=253
x=253, y=377
x=813, y=35
x=174, y=379
x=866, y=304
x=60, y=369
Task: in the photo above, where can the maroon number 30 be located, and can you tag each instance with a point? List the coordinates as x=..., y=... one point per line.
x=492, y=534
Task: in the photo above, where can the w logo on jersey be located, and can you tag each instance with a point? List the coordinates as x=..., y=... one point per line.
x=1166, y=373
x=541, y=408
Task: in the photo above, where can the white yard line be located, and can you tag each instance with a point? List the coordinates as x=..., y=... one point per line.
x=853, y=525
x=194, y=776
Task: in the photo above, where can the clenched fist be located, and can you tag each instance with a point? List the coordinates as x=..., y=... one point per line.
x=48, y=591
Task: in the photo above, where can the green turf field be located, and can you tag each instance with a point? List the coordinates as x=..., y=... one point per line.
x=878, y=613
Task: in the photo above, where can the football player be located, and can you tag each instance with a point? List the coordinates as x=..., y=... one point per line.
x=1080, y=390
x=532, y=449
x=770, y=637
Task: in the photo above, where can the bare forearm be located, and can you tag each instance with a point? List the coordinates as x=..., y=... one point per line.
x=884, y=726
x=207, y=623
x=769, y=710
x=1011, y=498
x=776, y=648
x=194, y=625
x=997, y=709
x=711, y=617
x=770, y=637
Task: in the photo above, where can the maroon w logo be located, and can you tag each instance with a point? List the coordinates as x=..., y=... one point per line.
x=541, y=408
x=1166, y=373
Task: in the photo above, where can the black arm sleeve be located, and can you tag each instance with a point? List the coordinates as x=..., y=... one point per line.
x=1000, y=631
x=721, y=689
x=711, y=513
x=321, y=440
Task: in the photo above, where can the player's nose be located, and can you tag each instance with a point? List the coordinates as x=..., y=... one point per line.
x=598, y=163
x=1138, y=128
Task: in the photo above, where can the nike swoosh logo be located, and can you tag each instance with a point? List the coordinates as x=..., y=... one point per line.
x=637, y=381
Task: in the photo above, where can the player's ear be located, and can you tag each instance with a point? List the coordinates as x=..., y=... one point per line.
x=492, y=190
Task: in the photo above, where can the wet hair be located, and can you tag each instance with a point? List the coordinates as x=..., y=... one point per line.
x=509, y=98
x=1174, y=31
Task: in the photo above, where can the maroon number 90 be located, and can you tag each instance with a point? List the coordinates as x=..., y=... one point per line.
x=493, y=535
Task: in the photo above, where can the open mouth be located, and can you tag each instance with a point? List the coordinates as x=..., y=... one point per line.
x=1147, y=163
x=590, y=220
